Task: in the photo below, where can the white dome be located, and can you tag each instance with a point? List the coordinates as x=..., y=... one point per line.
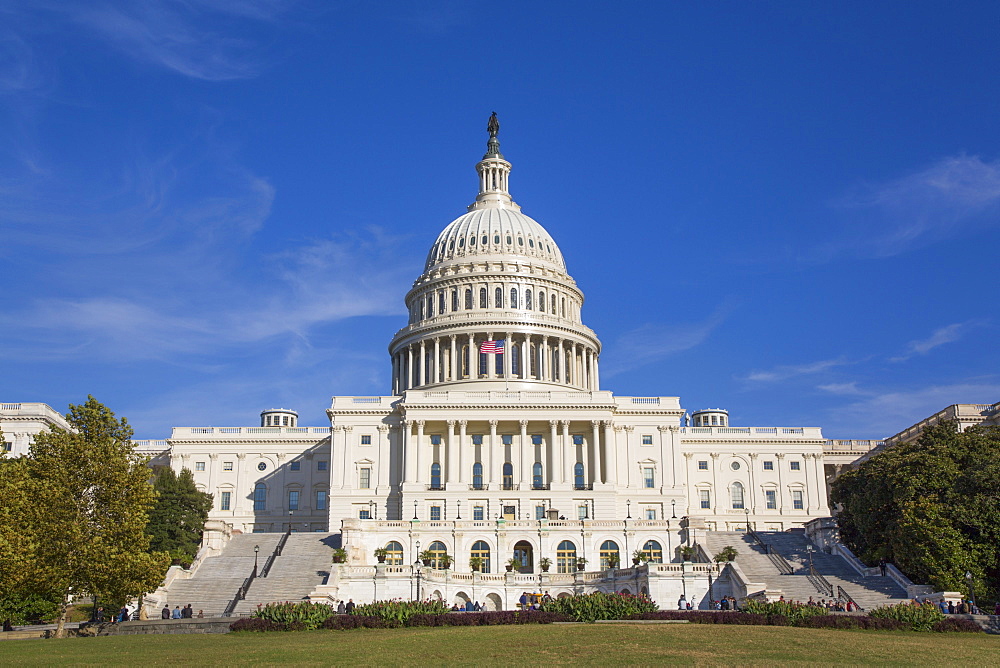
x=492, y=232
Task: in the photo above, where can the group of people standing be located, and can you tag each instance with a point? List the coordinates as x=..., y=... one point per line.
x=187, y=612
x=963, y=608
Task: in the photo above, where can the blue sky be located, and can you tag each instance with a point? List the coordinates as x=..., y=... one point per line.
x=790, y=210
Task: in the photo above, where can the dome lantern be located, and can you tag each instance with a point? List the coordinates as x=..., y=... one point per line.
x=494, y=174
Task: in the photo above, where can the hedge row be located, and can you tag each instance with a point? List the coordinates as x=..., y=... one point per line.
x=346, y=622
x=949, y=625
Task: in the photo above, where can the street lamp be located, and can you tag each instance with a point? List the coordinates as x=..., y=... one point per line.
x=256, y=549
x=458, y=506
x=809, y=551
x=673, y=509
x=289, y=522
x=371, y=510
x=414, y=509
x=972, y=594
x=628, y=505
x=416, y=565
x=747, y=511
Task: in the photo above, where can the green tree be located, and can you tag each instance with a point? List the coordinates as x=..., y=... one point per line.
x=90, y=502
x=178, y=517
x=931, y=506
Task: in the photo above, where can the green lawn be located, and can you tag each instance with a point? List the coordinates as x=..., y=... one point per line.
x=508, y=645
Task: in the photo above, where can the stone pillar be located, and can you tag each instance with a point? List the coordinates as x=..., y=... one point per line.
x=524, y=466
x=781, y=483
x=381, y=470
x=417, y=449
x=595, y=446
x=554, y=476
x=753, y=484
x=347, y=466
x=462, y=448
x=597, y=373
x=491, y=360
x=406, y=447
x=561, y=368
x=626, y=471
x=436, y=367
x=337, y=446
x=544, y=362
x=453, y=371
x=452, y=454
x=508, y=353
x=239, y=503
x=395, y=373
x=495, y=463
x=409, y=366
x=665, y=476
x=687, y=483
x=611, y=458
x=715, y=482
x=422, y=376
x=821, y=494
x=675, y=456
x=568, y=460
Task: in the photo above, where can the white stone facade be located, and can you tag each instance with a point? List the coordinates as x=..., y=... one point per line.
x=20, y=422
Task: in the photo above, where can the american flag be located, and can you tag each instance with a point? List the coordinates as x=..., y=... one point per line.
x=495, y=347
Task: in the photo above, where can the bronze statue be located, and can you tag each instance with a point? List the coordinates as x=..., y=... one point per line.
x=493, y=127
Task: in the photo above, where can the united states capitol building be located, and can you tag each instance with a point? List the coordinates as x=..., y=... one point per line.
x=497, y=442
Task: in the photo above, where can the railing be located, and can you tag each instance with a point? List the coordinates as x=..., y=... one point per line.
x=844, y=596
x=779, y=561
x=822, y=585
x=435, y=488
x=586, y=487
x=540, y=486
x=476, y=487
x=241, y=594
x=277, y=553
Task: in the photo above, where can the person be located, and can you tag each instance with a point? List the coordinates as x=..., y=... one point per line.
x=523, y=601
x=951, y=607
x=201, y=614
x=461, y=608
x=7, y=626
x=476, y=607
x=341, y=610
x=165, y=613
x=882, y=565
x=176, y=613
x=454, y=607
x=187, y=612
x=689, y=605
x=546, y=598
x=724, y=604
x=350, y=606
x=996, y=608
x=943, y=606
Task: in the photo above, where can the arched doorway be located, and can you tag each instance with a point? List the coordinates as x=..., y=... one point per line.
x=494, y=602
x=524, y=553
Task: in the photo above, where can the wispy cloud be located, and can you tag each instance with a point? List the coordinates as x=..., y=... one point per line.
x=653, y=342
x=785, y=372
x=939, y=337
x=841, y=388
x=955, y=194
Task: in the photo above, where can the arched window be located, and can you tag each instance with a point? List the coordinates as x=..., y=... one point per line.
x=441, y=306
x=515, y=359
x=498, y=363
x=454, y=300
x=555, y=364
x=468, y=299
x=477, y=475
x=566, y=557
x=541, y=301
x=420, y=310
x=553, y=304
x=498, y=298
x=513, y=297
x=536, y=475
x=482, y=298
x=485, y=239
x=482, y=550
x=483, y=361
x=609, y=554
x=578, y=475
x=472, y=241
x=465, y=361
x=533, y=364
x=508, y=476
x=654, y=553
x=736, y=490
x=438, y=551
x=527, y=299
x=430, y=306
x=260, y=496
x=394, y=554
x=436, y=475
x=564, y=307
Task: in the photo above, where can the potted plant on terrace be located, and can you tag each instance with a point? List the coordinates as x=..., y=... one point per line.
x=381, y=553
x=728, y=553
x=581, y=563
x=545, y=563
x=513, y=563
x=612, y=561
x=638, y=557
x=445, y=561
x=686, y=552
x=427, y=557
x=476, y=563
x=340, y=556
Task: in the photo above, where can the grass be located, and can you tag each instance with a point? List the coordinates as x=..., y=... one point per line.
x=509, y=645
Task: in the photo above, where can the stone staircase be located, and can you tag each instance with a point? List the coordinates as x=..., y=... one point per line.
x=304, y=564
x=867, y=592
x=215, y=582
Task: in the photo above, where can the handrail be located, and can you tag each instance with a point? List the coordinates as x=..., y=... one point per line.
x=274, y=555
x=818, y=580
x=779, y=561
x=843, y=595
x=241, y=593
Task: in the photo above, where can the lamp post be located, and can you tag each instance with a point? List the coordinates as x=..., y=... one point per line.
x=972, y=594
x=809, y=551
x=747, y=511
x=628, y=506
x=414, y=509
x=673, y=509
x=371, y=509
x=458, y=507
x=256, y=549
x=416, y=565
x=289, y=522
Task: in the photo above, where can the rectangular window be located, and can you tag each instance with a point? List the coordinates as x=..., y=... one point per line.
x=478, y=513
x=321, y=499
x=581, y=512
x=796, y=466
x=199, y=466
x=321, y=465
x=648, y=479
x=293, y=499
x=435, y=439
x=8, y=446
x=797, y=500
x=435, y=513
x=647, y=439
x=508, y=439
x=477, y=439
x=539, y=512
x=366, y=439
x=227, y=466
x=364, y=514
x=577, y=439
x=366, y=478
x=702, y=464
x=650, y=513
x=768, y=466
x=224, y=500
x=771, y=499
x=536, y=439
x=703, y=496
x=295, y=466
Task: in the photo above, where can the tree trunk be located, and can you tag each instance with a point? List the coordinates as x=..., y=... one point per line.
x=63, y=614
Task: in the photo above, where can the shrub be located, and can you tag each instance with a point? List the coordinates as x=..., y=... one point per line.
x=952, y=625
x=916, y=617
x=398, y=613
x=852, y=622
x=706, y=617
x=598, y=605
x=346, y=622
x=310, y=615
x=258, y=624
x=793, y=613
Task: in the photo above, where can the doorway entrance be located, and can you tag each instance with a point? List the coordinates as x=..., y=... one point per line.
x=523, y=553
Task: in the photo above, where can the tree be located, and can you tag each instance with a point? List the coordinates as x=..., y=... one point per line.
x=90, y=502
x=179, y=515
x=931, y=506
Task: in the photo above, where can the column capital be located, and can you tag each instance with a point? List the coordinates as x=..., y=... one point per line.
x=664, y=427
x=565, y=423
x=241, y=455
x=553, y=423
x=494, y=423
x=421, y=423
x=523, y=423
x=348, y=428
x=213, y=456
x=628, y=427
x=779, y=455
x=407, y=423
x=451, y=424
x=714, y=455
x=462, y=424
x=754, y=456
x=595, y=423
x=281, y=456
x=383, y=428
x=608, y=424
x=688, y=455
